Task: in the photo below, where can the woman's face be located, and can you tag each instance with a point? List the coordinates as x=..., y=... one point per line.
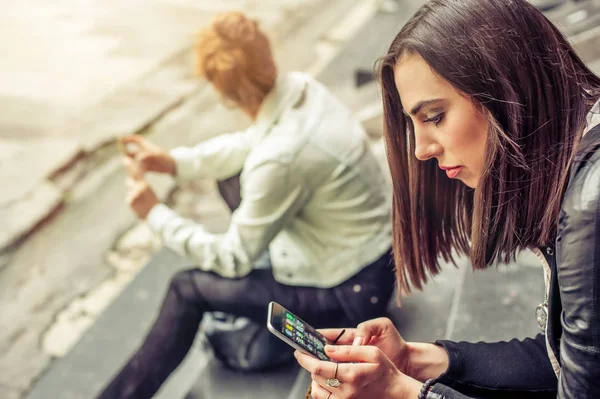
x=447, y=125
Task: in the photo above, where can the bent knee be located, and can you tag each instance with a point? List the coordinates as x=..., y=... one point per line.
x=182, y=283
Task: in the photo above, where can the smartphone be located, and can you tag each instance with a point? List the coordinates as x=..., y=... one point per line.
x=127, y=149
x=296, y=332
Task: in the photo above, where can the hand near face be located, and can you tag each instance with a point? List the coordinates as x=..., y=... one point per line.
x=363, y=372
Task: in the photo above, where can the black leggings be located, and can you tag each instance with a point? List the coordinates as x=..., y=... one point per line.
x=193, y=292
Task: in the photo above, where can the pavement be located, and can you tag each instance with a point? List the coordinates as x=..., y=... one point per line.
x=83, y=72
x=64, y=255
x=80, y=280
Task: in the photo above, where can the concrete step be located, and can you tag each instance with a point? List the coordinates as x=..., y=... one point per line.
x=215, y=381
x=576, y=17
x=595, y=67
x=114, y=336
x=587, y=44
x=546, y=5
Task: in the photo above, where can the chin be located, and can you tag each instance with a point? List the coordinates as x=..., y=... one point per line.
x=471, y=183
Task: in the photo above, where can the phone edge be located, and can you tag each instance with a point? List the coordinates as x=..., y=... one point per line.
x=282, y=336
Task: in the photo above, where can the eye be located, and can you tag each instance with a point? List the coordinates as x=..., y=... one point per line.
x=435, y=119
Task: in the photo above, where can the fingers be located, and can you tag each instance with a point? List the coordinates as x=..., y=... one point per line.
x=367, y=330
x=314, y=365
x=140, y=197
x=133, y=145
x=352, y=377
x=363, y=334
x=143, y=156
x=363, y=356
x=319, y=372
x=131, y=183
x=318, y=392
x=354, y=354
x=332, y=333
x=321, y=380
x=134, y=170
x=146, y=161
x=140, y=144
x=134, y=138
x=135, y=187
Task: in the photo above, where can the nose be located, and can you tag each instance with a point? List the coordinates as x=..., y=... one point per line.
x=425, y=148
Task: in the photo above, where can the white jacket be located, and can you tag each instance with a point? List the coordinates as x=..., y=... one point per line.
x=312, y=192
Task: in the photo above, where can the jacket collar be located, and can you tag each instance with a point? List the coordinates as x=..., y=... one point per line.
x=284, y=95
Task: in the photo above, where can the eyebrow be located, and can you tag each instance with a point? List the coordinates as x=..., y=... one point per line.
x=422, y=104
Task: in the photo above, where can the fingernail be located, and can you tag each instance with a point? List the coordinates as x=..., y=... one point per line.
x=358, y=341
x=330, y=348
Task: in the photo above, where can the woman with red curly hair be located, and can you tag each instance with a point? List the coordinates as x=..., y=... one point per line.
x=312, y=194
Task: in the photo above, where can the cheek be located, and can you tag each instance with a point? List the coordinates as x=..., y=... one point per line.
x=465, y=139
x=477, y=140
x=461, y=137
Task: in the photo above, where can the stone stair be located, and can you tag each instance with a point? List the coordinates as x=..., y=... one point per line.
x=444, y=310
x=580, y=21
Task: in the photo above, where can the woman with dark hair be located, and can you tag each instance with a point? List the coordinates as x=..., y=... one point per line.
x=493, y=141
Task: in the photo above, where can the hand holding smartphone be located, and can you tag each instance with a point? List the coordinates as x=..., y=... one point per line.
x=148, y=156
x=296, y=332
x=127, y=148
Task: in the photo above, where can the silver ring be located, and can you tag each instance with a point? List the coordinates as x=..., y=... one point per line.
x=332, y=382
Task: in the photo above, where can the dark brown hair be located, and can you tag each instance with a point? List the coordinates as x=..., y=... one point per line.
x=519, y=70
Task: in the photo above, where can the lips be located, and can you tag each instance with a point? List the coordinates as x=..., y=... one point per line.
x=452, y=172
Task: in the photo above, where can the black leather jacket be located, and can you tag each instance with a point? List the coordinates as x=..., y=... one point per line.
x=523, y=369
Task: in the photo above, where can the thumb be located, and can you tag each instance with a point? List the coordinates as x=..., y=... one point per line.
x=143, y=157
x=136, y=185
x=371, y=329
x=133, y=168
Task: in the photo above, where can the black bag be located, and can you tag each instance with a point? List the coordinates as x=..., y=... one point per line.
x=242, y=344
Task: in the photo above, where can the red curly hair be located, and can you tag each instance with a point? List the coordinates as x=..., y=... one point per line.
x=235, y=56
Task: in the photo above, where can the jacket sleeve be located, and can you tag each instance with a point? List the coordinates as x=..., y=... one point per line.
x=218, y=158
x=578, y=266
x=271, y=196
x=501, y=369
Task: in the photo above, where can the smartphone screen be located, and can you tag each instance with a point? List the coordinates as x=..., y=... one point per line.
x=296, y=332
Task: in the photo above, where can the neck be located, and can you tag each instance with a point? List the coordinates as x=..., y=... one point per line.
x=253, y=109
